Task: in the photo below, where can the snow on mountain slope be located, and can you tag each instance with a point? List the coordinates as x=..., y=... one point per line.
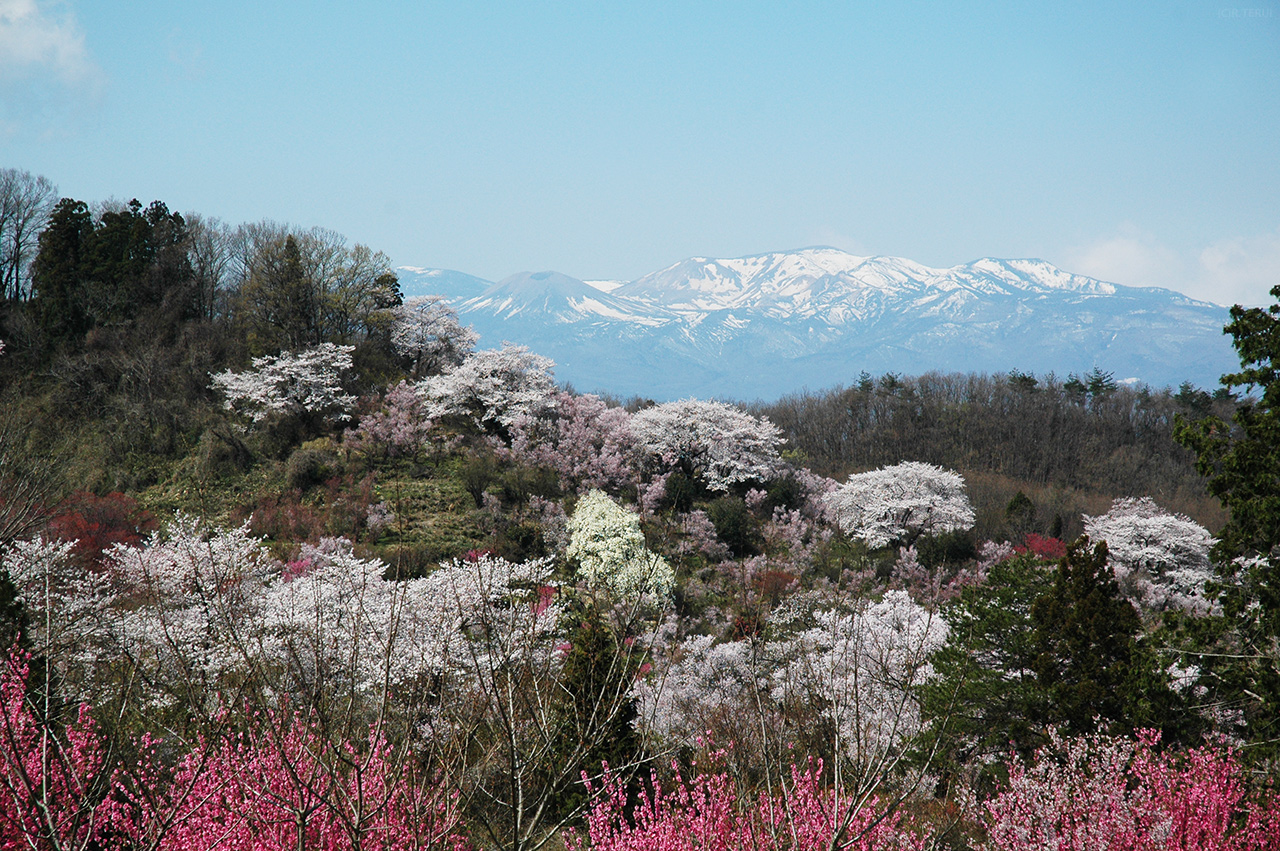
x=768, y=324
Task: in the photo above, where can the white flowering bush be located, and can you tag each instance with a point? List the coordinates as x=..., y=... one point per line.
x=304, y=382
x=853, y=671
x=188, y=597
x=68, y=617
x=720, y=443
x=902, y=502
x=609, y=547
x=1160, y=559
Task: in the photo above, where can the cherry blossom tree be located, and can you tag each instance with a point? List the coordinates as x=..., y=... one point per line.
x=719, y=443
x=399, y=427
x=901, y=503
x=861, y=670
x=306, y=382
x=843, y=684
x=492, y=388
x=186, y=599
x=69, y=621
x=609, y=547
x=426, y=331
x=588, y=443
x=1160, y=559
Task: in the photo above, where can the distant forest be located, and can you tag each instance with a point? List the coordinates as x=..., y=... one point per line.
x=1069, y=445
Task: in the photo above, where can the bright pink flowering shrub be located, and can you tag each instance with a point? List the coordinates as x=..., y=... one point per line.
x=1094, y=794
x=50, y=785
x=279, y=785
x=709, y=813
x=282, y=786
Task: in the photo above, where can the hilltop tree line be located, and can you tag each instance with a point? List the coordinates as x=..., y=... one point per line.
x=331, y=576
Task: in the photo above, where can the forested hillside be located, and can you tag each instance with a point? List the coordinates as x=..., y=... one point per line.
x=286, y=560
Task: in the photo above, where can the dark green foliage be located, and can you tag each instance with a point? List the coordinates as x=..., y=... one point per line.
x=477, y=472
x=595, y=708
x=1020, y=514
x=520, y=482
x=520, y=541
x=307, y=468
x=58, y=307
x=278, y=301
x=986, y=698
x=1193, y=401
x=951, y=548
x=126, y=272
x=1088, y=661
x=13, y=615
x=735, y=525
x=1241, y=460
x=785, y=492
x=681, y=490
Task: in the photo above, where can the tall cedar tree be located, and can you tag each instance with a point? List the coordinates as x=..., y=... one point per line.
x=1089, y=663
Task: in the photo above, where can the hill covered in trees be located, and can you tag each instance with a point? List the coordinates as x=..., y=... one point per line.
x=288, y=560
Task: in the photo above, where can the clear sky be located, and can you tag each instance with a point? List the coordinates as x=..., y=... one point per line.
x=1137, y=142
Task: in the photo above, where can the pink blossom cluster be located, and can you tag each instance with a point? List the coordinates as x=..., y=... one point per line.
x=277, y=785
x=709, y=812
x=398, y=428
x=1091, y=793
x=588, y=443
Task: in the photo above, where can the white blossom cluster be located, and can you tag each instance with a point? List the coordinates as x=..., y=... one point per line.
x=861, y=669
x=308, y=381
x=856, y=670
x=194, y=608
x=67, y=606
x=723, y=444
x=491, y=387
x=902, y=501
x=704, y=678
x=609, y=547
x=426, y=330
x=1160, y=559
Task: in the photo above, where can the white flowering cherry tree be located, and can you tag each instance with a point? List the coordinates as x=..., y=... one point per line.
x=426, y=330
x=845, y=678
x=492, y=388
x=306, y=383
x=721, y=444
x=1160, y=559
x=901, y=503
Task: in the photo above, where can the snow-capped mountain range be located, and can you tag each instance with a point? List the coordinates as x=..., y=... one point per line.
x=763, y=326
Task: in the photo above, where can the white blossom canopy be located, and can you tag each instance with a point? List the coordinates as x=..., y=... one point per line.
x=492, y=387
x=723, y=444
x=1160, y=559
x=902, y=502
x=307, y=381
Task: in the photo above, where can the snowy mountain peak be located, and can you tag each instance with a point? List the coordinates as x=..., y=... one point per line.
x=769, y=324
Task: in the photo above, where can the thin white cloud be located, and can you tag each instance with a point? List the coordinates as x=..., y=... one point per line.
x=1236, y=270
x=37, y=42
x=1131, y=257
x=1242, y=268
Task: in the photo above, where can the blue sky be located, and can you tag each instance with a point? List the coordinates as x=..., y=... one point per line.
x=1138, y=142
